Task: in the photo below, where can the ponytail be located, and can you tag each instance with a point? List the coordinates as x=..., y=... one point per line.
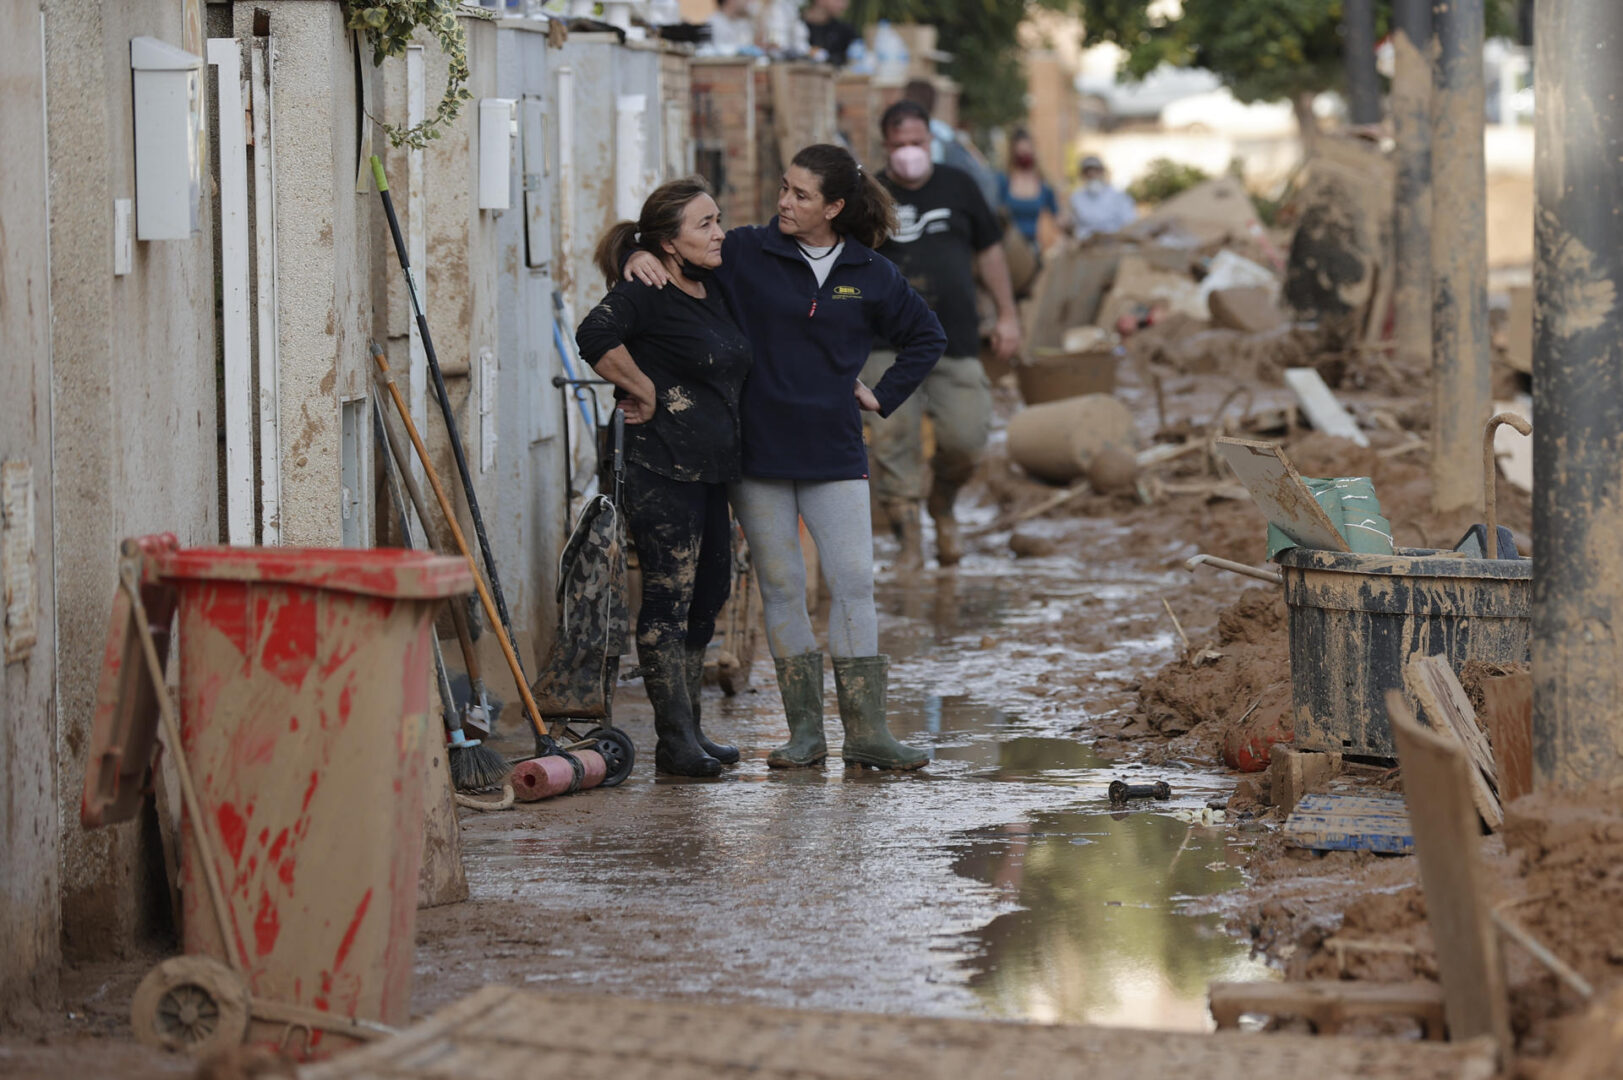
x=614, y=248
x=869, y=214
x=659, y=221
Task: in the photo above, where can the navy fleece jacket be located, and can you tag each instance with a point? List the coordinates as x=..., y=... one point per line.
x=800, y=415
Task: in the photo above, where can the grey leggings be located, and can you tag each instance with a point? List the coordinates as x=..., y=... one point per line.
x=836, y=515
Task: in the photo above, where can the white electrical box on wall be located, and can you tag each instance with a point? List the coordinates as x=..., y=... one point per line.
x=168, y=139
x=498, y=124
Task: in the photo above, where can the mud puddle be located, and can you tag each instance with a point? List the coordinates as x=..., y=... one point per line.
x=995, y=883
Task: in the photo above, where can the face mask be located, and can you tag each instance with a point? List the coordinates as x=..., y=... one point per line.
x=1095, y=186
x=1025, y=159
x=694, y=273
x=910, y=163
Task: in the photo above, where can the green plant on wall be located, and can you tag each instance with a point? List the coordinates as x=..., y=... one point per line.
x=390, y=26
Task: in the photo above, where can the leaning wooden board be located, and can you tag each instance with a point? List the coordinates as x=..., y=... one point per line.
x=1350, y=823
x=1437, y=784
x=1280, y=493
x=508, y=1033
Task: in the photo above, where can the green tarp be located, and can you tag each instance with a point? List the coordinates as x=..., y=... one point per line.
x=1354, y=510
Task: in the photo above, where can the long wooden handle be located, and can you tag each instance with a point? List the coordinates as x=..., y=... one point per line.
x=461, y=543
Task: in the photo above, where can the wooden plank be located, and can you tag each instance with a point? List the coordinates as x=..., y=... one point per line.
x=1507, y=708
x=1437, y=786
x=508, y=1033
x=1327, y=1004
x=1349, y=823
x=1324, y=410
x=1432, y=683
x=1278, y=489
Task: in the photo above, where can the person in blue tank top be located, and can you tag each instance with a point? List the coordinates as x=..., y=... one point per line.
x=813, y=297
x=1022, y=191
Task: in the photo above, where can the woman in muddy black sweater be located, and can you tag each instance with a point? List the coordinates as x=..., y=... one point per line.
x=678, y=360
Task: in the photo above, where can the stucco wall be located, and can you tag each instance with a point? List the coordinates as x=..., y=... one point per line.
x=30, y=932
x=134, y=395
x=323, y=250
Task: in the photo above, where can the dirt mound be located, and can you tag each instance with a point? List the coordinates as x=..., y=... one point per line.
x=1225, y=684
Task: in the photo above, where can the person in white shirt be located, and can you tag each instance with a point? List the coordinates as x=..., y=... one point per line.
x=732, y=29
x=1097, y=207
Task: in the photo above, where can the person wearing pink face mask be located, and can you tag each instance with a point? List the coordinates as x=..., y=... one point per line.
x=947, y=235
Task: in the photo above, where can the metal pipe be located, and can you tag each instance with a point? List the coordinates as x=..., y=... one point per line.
x=1461, y=389
x=1411, y=226
x=1358, y=48
x=1234, y=568
x=1490, y=477
x=1578, y=394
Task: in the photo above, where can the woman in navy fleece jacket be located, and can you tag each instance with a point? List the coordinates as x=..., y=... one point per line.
x=814, y=298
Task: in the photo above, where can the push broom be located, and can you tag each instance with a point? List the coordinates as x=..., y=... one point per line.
x=474, y=766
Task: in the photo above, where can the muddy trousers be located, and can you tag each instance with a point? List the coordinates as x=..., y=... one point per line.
x=837, y=516
x=680, y=530
x=957, y=397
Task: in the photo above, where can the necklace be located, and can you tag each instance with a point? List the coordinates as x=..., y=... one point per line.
x=817, y=258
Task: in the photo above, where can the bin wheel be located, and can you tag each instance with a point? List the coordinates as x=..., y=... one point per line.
x=619, y=753
x=190, y=1003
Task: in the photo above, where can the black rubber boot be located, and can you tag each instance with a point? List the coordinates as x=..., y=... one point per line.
x=800, y=681
x=861, y=683
x=727, y=755
x=664, y=676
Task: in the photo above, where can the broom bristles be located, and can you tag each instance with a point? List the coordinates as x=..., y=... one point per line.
x=478, y=768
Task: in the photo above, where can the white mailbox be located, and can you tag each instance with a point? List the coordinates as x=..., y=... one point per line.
x=498, y=124
x=168, y=139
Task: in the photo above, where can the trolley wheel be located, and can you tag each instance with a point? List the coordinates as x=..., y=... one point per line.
x=193, y=1004
x=619, y=753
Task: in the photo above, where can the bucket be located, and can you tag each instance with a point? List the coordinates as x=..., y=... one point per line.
x=1357, y=620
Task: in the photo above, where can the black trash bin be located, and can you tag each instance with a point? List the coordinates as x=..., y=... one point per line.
x=1356, y=620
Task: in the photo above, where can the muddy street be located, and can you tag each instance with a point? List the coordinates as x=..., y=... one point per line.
x=999, y=882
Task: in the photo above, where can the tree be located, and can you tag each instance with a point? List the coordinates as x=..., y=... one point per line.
x=1262, y=50
x=981, y=35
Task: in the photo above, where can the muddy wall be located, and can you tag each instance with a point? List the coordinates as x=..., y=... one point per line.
x=133, y=387
x=29, y=929
x=324, y=252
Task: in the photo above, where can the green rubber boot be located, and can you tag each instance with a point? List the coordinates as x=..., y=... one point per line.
x=800, y=681
x=727, y=755
x=860, y=682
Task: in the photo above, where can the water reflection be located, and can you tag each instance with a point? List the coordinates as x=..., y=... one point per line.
x=1098, y=937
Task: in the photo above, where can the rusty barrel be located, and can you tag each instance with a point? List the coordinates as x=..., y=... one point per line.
x=1356, y=620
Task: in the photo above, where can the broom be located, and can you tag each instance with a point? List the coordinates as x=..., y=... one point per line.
x=474, y=767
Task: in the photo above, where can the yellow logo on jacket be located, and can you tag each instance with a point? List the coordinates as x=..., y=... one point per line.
x=847, y=292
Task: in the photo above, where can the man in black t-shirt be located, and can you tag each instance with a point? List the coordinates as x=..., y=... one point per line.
x=947, y=235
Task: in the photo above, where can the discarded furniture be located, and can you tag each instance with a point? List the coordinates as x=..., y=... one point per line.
x=1327, y=1005
x=1053, y=374
x=503, y=1032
